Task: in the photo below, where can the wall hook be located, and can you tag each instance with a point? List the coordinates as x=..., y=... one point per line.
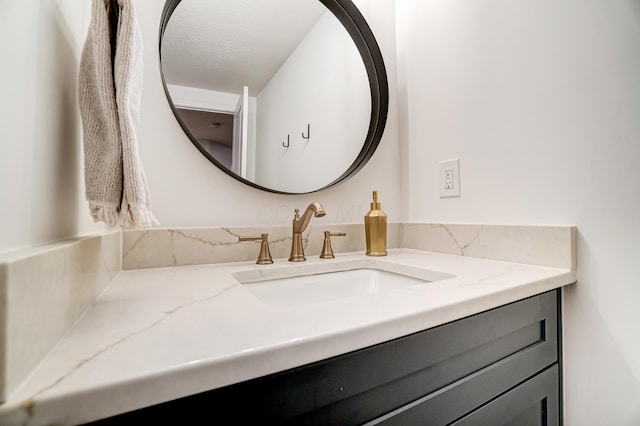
x=287, y=145
x=308, y=132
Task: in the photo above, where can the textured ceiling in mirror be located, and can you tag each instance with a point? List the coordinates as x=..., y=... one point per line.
x=273, y=29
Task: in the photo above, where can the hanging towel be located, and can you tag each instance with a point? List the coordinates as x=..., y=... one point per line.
x=136, y=200
x=109, y=95
x=102, y=147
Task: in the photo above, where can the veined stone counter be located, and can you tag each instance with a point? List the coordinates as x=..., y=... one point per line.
x=160, y=334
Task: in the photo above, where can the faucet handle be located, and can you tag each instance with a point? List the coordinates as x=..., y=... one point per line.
x=264, y=258
x=327, y=251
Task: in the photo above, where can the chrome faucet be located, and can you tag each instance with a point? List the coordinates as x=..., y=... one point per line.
x=299, y=225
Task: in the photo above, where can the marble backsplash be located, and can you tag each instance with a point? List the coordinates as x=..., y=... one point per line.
x=542, y=245
x=43, y=291
x=552, y=246
x=154, y=248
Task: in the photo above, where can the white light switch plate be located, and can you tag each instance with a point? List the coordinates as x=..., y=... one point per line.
x=449, y=180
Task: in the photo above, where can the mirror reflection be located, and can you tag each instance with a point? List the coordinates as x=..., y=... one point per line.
x=274, y=91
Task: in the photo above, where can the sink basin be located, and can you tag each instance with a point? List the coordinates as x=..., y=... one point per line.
x=301, y=290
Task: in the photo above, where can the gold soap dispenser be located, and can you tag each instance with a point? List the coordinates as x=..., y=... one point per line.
x=375, y=229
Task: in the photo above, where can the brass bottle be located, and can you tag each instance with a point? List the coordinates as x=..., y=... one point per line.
x=375, y=229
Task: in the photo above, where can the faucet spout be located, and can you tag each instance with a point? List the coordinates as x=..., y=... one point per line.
x=299, y=225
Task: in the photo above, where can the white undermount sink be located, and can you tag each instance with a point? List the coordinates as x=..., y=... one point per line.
x=321, y=287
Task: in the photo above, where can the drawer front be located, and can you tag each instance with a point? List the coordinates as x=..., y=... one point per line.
x=512, y=342
x=534, y=402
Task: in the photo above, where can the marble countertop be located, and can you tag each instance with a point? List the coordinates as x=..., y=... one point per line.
x=161, y=334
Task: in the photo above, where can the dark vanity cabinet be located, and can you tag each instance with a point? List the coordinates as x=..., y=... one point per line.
x=497, y=367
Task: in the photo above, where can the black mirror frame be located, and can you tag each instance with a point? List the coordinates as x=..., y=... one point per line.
x=357, y=27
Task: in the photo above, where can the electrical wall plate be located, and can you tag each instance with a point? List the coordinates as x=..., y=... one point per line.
x=449, y=178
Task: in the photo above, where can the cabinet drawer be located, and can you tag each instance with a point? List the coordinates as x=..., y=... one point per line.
x=534, y=402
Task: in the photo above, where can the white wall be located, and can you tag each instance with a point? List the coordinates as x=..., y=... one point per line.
x=323, y=84
x=41, y=187
x=540, y=100
x=187, y=190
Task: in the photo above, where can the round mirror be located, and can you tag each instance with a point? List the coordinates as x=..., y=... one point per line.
x=288, y=96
